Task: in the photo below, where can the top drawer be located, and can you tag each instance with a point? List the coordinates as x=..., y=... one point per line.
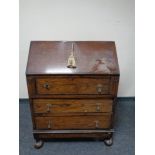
x=73, y=85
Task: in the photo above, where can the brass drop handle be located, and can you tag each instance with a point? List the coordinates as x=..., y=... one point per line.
x=97, y=124
x=49, y=107
x=99, y=88
x=46, y=85
x=49, y=124
x=98, y=107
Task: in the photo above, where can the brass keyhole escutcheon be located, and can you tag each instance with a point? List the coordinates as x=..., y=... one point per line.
x=46, y=85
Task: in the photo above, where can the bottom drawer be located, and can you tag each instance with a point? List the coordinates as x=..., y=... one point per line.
x=74, y=122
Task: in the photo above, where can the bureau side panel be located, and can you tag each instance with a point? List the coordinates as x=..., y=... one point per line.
x=31, y=92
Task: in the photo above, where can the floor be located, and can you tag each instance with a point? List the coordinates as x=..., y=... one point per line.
x=124, y=137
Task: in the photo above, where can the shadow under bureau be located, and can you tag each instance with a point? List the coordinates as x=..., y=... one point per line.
x=72, y=89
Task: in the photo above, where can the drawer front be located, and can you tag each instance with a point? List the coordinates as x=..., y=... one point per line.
x=73, y=122
x=59, y=85
x=50, y=106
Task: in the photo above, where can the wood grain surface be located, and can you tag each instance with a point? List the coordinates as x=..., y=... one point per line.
x=50, y=106
x=72, y=102
x=73, y=85
x=92, y=57
x=74, y=122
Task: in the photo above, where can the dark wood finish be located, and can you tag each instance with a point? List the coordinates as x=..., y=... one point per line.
x=100, y=136
x=52, y=134
x=73, y=85
x=72, y=102
x=107, y=90
x=50, y=57
x=73, y=122
x=51, y=106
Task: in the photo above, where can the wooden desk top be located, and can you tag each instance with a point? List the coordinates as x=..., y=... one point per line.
x=92, y=57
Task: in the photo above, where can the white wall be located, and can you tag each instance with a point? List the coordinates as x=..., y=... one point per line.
x=80, y=20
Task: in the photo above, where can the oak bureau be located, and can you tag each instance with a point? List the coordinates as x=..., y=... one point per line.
x=72, y=88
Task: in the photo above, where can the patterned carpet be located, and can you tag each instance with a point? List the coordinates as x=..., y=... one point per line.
x=124, y=137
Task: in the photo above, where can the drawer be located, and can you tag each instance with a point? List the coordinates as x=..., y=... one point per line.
x=72, y=85
x=50, y=106
x=74, y=122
